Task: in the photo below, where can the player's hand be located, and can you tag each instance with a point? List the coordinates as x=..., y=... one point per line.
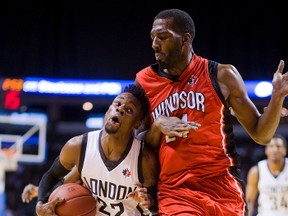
x=141, y=196
x=280, y=81
x=48, y=209
x=29, y=192
x=173, y=126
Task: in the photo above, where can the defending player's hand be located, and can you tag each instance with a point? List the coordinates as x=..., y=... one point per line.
x=48, y=209
x=280, y=81
x=29, y=192
x=173, y=126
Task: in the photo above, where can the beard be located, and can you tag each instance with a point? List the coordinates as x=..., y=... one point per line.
x=169, y=62
x=162, y=65
x=110, y=130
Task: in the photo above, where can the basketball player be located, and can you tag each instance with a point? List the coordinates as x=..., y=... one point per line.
x=269, y=180
x=189, y=98
x=110, y=156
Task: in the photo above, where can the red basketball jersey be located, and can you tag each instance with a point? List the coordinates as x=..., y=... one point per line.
x=204, y=153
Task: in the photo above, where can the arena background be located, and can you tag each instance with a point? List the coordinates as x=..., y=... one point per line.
x=111, y=40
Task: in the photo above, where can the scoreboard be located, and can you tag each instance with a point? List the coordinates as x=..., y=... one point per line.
x=10, y=93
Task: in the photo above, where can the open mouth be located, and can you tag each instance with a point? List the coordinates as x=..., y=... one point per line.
x=115, y=120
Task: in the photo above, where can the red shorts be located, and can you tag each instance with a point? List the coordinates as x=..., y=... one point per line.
x=217, y=196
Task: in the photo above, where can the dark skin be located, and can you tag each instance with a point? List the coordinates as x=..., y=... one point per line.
x=174, y=51
x=121, y=119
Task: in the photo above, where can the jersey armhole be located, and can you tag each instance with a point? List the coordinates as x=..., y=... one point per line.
x=140, y=170
x=82, y=152
x=212, y=67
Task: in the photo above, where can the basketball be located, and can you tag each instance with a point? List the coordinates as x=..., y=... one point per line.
x=79, y=200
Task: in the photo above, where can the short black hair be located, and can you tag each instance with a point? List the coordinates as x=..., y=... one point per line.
x=138, y=92
x=282, y=138
x=182, y=21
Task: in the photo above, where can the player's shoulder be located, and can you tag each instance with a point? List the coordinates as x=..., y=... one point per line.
x=254, y=171
x=226, y=68
x=229, y=75
x=78, y=139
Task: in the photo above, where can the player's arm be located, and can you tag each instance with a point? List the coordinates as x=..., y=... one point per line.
x=67, y=159
x=146, y=194
x=150, y=168
x=30, y=191
x=261, y=128
x=73, y=176
x=252, y=189
x=169, y=126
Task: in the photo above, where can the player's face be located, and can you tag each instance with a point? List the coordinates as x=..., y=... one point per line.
x=166, y=43
x=123, y=114
x=275, y=150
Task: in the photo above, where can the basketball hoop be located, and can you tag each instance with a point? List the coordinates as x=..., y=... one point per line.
x=9, y=157
x=9, y=153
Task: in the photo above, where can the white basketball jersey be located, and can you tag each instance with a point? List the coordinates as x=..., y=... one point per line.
x=110, y=187
x=273, y=191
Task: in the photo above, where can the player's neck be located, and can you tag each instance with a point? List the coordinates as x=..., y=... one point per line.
x=276, y=167
x=113, y=146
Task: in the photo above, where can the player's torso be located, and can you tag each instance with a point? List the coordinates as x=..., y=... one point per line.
x=111, y=187
x=273, y=191
x=191, y=98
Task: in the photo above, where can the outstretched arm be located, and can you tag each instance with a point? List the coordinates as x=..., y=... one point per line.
x=261, y=128
x=168, y=126
x=163, y=125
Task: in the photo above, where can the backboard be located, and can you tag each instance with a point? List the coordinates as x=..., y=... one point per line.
x=25, y=134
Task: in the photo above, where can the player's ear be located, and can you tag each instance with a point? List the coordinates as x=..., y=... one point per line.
x=137, y=124
x=186, y=38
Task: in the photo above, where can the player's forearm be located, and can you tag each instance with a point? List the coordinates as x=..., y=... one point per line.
x=250, y=208
x=50, y=179
x=269, y=120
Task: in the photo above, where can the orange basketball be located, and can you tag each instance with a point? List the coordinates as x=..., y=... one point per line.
x=79, y=200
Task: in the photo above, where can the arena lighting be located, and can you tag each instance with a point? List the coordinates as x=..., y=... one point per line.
x=80, y=87
x=95, y=122
x=259, y=88
x=74, y=87
x=87, y=106
x=263, y=89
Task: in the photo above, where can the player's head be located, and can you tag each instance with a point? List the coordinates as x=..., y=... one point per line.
x=127, y=111
x=172, y=34
x=139, y=93
x=181, y=21
x=277, y=148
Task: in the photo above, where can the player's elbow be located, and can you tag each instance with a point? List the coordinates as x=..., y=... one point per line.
x=262, y=140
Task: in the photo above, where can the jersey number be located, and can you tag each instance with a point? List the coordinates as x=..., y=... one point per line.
x=118, y=207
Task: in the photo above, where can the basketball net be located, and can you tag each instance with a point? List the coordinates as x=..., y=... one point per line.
x=9, y=155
